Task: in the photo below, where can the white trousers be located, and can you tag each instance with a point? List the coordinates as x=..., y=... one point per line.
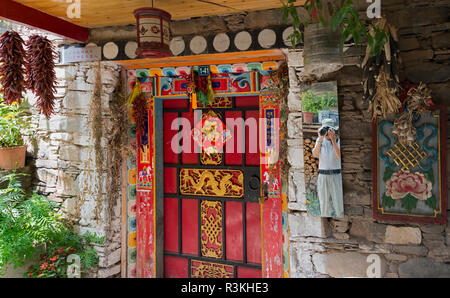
x=329, y=188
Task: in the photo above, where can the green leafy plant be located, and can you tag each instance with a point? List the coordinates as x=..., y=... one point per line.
x=55, y=264
x=29, y=224
x=312, y=102
x=337, y=15
x=14, y=124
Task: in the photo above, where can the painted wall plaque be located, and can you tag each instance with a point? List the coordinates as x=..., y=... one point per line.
x=72, y=54
x=409, y=179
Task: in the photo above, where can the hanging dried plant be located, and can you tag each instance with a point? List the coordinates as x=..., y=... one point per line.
x=404, y=129
x=140, y=114
x=41, y=76
x=380, y=73
x=419, y=98
x=12, y=61
x=385, y=100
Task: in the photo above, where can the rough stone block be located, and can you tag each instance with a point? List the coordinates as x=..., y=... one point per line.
x=403, y=235
x=441, y=40
x=104, y=273
x=77, y=100
x=295, y=153
x=297, y=187
x=69, y=152
x=114, y=257
x=348, y=264
x=410, y=250
x=303, y=224
x=396, y=257
x=295, y=58
x=61, y=136
x=423, y=268
x=66, y=185
x=416, y=56
x=366, y=229
x=295, y=126
x=79, y=84
x=294, y=101
x=427, y=72
x=407, y=44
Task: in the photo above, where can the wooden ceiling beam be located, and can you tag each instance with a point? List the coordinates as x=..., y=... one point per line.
x=28, y=16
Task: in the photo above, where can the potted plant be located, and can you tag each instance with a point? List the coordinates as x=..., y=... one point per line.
x=310, y=106
x=328, y=25
x=14, y=124
x=328, y=101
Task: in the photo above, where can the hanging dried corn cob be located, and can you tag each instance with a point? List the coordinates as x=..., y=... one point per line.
x=41, y=76
x=380, y=73
x=12, y=61
x=385, y=100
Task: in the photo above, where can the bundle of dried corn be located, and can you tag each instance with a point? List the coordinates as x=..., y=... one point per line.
x=380, y=73
x=385, y=100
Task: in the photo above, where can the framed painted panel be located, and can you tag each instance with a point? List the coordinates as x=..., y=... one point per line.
x=409, y=181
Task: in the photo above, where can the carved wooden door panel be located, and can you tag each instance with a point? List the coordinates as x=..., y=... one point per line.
x=212, y=218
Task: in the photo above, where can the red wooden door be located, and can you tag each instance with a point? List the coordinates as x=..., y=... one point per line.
x=212, y=218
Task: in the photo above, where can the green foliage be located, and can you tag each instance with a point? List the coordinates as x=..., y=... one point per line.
x=388, y=172
x=14, y=124
x=430, y=176
x=54, y=263
x=388, y=201
x=25, y=223
x=338, y=15
x=30, y=223
x=313, y=103
x=409, y=202
x=431, y=202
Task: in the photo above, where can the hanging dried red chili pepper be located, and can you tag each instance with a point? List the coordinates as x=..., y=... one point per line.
x=140, y=114
x=41, y=76
x=12, y=61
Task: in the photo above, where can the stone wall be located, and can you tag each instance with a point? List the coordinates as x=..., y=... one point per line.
x=339, y=248
x=63, y=150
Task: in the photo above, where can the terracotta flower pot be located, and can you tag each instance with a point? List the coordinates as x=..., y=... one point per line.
x=12, y=157
x=308, y=117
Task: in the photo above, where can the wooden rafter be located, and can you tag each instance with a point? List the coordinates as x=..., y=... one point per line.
x=28, y=16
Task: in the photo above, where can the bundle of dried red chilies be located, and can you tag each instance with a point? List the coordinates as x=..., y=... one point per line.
x=140, y=114
x=41, y=76
x=12, y=60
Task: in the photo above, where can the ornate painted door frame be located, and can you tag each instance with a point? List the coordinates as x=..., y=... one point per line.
x=149, y=209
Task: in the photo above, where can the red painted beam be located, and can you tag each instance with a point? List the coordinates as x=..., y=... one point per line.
x=28, y=16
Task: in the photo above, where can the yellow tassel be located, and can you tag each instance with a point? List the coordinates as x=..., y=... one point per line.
x=135, y=93
x=210, y=91
x=194, y=100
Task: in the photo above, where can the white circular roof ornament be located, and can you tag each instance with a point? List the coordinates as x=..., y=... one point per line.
x=198, y=44
x=177, y=45
x=243, y=40
x=130, y=49
x=221, y=42
x=110, y=50
x=267, y=38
